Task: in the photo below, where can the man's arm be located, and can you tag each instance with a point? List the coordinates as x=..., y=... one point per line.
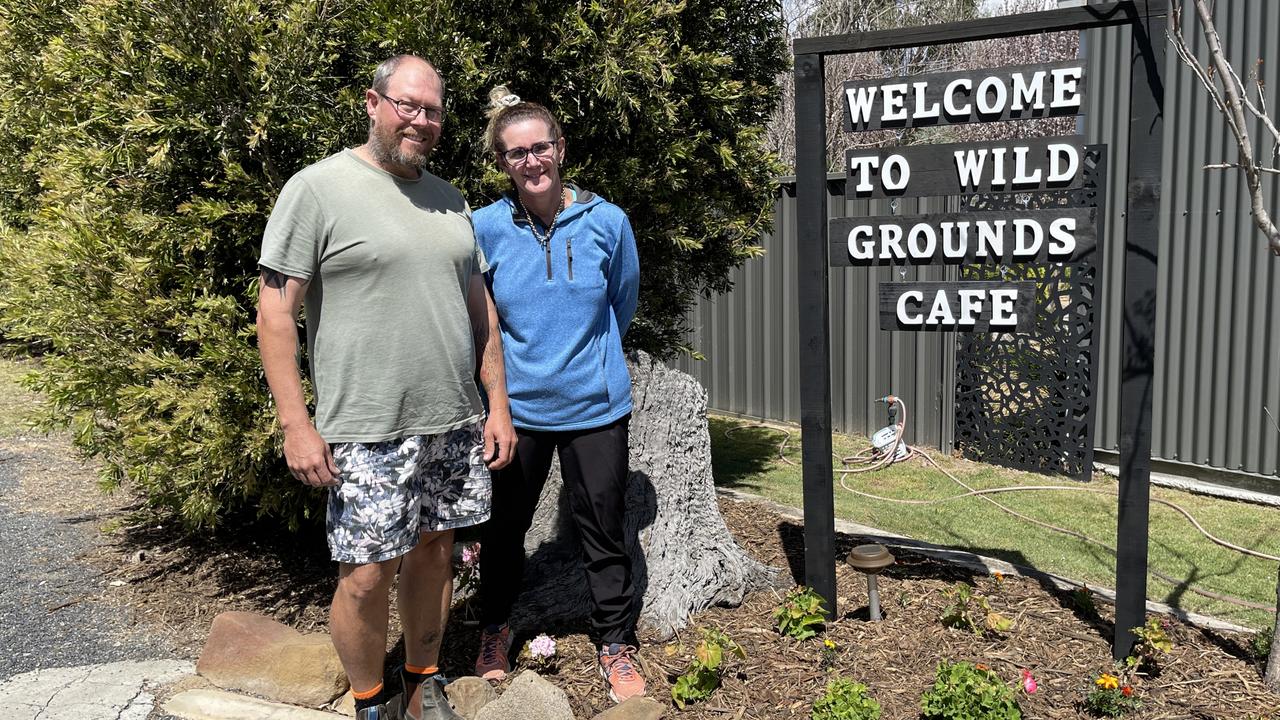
x=308, y=455
x=499, y=435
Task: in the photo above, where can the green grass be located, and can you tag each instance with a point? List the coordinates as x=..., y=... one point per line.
x=747, y=459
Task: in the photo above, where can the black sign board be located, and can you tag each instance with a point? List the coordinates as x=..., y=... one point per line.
x=1037, y=164
x=1025, y=92
x=965, y=306
x=1020, y=92
x=1060, y=235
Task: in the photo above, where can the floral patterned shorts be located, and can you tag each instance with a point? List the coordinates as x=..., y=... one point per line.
x=392, y=491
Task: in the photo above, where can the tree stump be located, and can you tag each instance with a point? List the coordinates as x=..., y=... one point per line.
x=683, y=558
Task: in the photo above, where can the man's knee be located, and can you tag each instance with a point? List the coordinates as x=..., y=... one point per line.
x=367, y=583
x=434, y=548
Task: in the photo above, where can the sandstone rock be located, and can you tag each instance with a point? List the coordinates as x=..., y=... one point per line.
x=528, y=697
x=252, y=653
x=637, y=708
x=222, y=705
x=345, y=705
x=468, y=694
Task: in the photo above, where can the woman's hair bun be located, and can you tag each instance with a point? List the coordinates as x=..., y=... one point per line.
x=500, y=97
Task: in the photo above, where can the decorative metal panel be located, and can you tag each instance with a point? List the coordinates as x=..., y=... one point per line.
x=1027, y=400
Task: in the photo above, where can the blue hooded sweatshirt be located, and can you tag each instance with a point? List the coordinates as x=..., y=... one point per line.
x=563, y=310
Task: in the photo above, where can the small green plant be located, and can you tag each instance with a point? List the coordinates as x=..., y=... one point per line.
x=801, y=615
x=845, y=700
x=1153, y=642
x=1261, y=643
x=1082, y=598
x=965, y=691
x=1110, y=697
x=967, y=610
x=703, y=675
x=829, y=653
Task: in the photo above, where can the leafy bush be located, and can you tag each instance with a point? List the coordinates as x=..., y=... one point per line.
x=143, y=143
x=703, y=676
x=845, y=700
x=801, y=614
x=964, y=691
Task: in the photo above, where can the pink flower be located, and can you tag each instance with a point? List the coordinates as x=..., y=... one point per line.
x=1028, y=682
x=542, y=647
x=471, y=554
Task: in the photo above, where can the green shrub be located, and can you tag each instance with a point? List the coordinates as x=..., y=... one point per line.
x=964, y=691
x=845, y=700
x=801, y=615
x=143, y=143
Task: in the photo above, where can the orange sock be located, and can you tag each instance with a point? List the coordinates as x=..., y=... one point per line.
x=369, y=698
x=421, y=669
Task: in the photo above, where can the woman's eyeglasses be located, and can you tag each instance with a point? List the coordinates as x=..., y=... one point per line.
x=517, y=155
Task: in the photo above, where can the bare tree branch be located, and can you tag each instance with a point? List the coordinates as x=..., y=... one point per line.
x=1232, y=101
x=1234, y=166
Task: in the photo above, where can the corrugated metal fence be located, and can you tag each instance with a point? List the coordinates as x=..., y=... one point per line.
x=1216, y=391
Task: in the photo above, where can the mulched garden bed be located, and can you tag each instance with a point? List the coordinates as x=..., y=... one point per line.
x=1208, y=674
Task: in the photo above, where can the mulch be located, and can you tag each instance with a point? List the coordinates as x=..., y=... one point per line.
x=179, y=586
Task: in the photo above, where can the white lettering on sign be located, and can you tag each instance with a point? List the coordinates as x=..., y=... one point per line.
x=1013, y=92
x=940, y=312
x=921, y=240
x=923, y=111
x=949, y=97
x=1028, y=93
x=1058, y=173
x=970, y=306
x=962, y=309
x=989, y=87
x=913, y=296
x=1059, y=165
x=895, y=102
x=1066, y=87
x=861, y=101
x=1002, y=312
x=897, y=172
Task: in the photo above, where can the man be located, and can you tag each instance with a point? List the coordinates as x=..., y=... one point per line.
x=382, y=255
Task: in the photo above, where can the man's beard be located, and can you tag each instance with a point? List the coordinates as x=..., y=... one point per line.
x=386, y=150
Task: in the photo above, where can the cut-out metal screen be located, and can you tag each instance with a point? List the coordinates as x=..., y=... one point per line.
x=1027, y=400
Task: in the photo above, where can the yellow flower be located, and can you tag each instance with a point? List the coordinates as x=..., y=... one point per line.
x=1108, y=682
x=999, y=576
x=828, y=644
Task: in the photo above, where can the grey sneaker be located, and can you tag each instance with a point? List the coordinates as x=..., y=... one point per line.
x=433, y=705
x=389, y=710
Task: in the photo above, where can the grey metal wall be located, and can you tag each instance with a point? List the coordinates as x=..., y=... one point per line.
x=1218, y=331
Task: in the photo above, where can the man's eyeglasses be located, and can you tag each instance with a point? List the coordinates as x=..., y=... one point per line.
x=409, y=110
x=516, y=155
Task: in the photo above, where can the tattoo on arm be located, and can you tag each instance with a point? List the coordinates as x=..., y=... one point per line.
x=274, y=279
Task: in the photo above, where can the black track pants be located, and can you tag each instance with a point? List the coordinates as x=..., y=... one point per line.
x=593, y=464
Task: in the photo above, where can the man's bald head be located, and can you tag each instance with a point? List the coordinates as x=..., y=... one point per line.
x=387, y=68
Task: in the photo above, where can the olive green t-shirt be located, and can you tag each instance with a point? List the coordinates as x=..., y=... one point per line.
x=388, y=262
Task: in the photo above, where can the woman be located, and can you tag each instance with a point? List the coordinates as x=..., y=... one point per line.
x=564, y=274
